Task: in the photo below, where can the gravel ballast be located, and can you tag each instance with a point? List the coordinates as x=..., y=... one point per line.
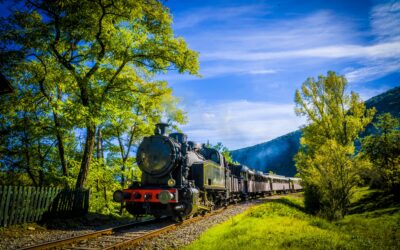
x=184, y=235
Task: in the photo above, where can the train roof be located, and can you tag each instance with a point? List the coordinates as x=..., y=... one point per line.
x=251, y=171
x=280, y=177
x=244, y=168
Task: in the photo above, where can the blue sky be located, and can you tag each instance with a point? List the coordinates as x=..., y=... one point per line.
x=255, y=54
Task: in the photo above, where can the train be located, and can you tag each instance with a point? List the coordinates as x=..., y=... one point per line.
x=181, y=179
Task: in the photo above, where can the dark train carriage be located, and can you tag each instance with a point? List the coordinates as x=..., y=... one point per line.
x=258, y=183
x=239, y=180
x=295, y=184
x=234, y=179
x=280, y=184
x=264, y=184
x=251, y=182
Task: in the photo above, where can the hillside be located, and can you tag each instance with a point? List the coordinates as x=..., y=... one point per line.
x=277, y=155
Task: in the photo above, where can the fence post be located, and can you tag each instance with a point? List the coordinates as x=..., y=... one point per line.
x=27, y=203
x=2, y=202
x=7, y=205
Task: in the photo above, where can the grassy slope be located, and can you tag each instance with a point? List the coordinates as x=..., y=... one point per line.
x=374, y=223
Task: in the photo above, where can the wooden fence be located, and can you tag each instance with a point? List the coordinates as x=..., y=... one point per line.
x=30, y=204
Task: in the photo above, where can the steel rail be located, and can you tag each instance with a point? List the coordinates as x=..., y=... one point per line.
x=108, y=231
x=154, y=233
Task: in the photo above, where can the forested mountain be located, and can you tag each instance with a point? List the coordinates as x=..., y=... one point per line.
x=277, y=155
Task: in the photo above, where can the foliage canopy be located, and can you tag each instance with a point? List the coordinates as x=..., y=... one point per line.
x=326, y=160
x=87, y=79
x=383, y=150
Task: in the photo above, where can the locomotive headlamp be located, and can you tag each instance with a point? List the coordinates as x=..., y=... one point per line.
x=165, y=196
x=171, y=182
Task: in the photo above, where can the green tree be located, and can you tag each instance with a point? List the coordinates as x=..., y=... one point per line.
x=128, y=126
x=326, y=160
x=85, y=56
x=28, y=137
x=383, y=150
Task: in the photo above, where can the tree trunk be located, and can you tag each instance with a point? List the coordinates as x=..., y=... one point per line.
x=123, y=173
x=60, y=144
x=87, y=156
x=105, y=196
x=28, y=168
x=99, y=145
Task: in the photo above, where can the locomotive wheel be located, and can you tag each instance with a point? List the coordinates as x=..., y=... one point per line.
x=177, y=218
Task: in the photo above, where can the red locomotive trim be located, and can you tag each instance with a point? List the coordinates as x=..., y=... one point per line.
x=138, y=195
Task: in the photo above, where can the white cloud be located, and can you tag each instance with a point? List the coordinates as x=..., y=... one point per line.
x=238, y=69
x=240, y=123
x=262, y=71
x=240, y=40
x=255, y=34
x=385, y=50
x=385, y=21
x=373, y=70
x=385, y=55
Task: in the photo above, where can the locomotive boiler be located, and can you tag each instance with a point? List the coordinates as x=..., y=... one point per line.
x=179, y=178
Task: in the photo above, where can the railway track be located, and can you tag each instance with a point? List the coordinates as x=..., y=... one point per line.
x=121, y=237
x=126, y=236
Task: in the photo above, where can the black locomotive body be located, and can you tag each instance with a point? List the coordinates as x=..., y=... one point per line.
x=181, y=178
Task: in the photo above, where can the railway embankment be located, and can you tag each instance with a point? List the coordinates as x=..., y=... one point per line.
x=373, y=223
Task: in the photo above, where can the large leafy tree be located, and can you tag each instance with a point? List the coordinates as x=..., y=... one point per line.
x=89, y=59
x=326, y=161
x=125, y=128
x=383, y=150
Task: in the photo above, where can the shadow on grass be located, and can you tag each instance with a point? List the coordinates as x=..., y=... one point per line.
x=374, y=201
x=289, y=203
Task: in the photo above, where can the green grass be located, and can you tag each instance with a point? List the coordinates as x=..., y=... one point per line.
x=374, y=223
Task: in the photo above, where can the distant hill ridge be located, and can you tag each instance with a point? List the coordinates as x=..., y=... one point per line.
x=277, y=155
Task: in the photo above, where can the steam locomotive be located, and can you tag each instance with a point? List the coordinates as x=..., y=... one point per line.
x=181, y=178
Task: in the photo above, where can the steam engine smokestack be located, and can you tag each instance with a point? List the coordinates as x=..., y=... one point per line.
x=160, y=128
